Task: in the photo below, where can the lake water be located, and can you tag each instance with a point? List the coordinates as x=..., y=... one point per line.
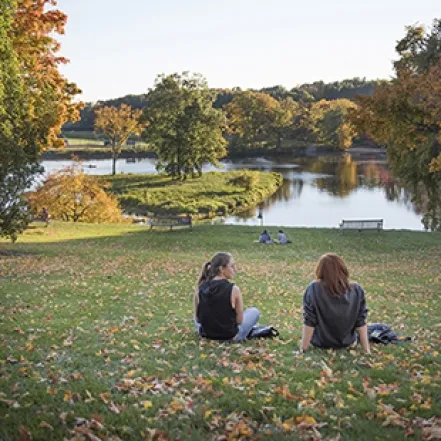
x=316, y=192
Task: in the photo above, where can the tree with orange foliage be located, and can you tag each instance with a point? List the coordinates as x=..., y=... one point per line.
x=118, y=124
x=405, y=115
x=52, y=97
x=72, y=196
x=35, y=100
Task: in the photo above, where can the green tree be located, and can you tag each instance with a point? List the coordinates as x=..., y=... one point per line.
x=256, y=116
x=419, y=49
x=184, y=128
x=117, y=124
x=328, y=123
x=288, y=116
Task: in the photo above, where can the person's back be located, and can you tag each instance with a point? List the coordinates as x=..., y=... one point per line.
x=282, y=238
x=333, y=318
x=215, y=312
x=265, y=237
x=334, y=309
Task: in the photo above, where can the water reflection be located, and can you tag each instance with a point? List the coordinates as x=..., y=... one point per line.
x=319, y=192
x=322, y=191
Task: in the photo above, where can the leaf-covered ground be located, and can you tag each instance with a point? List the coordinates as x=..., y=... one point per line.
x=97, y=342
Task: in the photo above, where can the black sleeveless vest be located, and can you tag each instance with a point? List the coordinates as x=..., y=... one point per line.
x=215, y=313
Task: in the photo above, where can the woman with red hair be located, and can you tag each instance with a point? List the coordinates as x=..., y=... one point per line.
x=334, y=309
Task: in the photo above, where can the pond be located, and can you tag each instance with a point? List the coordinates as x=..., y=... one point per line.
x=316, y=192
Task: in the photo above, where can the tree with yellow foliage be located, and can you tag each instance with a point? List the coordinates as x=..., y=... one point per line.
x=117, y=124
x=327, y=121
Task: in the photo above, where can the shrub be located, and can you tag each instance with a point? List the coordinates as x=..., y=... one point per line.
x=71, y=195
x=246, y=179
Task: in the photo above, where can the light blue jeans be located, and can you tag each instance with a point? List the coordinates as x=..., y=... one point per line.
x=250, y=319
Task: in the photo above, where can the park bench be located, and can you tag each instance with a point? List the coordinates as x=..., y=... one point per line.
x=170, y=221
x=361, y=224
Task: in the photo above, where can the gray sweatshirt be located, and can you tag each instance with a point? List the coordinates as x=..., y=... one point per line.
x=335, y=319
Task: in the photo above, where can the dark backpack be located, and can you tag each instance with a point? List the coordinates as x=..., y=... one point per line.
x=382, y=333
x=263, y=332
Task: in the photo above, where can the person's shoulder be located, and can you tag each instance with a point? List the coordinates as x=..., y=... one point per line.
x=313, y=287
x=357, y=288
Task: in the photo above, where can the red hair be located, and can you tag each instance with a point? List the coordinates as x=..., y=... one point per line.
x=333, y=272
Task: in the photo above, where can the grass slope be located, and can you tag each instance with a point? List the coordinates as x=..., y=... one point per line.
x=97, y=339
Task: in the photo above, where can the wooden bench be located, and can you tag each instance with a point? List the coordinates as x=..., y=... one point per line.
x=171, y=221
x=361, y=224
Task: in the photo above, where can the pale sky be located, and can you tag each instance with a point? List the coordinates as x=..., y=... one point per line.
x=118, y=47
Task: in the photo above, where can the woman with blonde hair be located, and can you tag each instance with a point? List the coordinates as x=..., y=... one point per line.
x=334, y=309
x=218, y=304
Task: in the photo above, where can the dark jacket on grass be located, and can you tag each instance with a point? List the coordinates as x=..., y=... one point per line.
x=335, y=319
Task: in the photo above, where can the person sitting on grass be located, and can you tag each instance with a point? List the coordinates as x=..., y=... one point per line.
x=218, y=304
x=282, y=240
x=334, y=309
x=265, y=237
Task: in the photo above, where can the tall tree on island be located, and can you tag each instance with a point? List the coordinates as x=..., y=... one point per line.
x=117, y=124
x=184, y=128
x=35, y=100
x=405, y=115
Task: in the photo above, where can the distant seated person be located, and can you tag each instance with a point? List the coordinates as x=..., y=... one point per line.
x=265, y=237
x=45, y=216
x=281, y=238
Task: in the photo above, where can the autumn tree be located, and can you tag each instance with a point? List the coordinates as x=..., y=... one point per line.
x=328, y=123
x=36, y=23
x=289, y=115
x=71, y=195
x=256, y=116
x=184, y=128
x=17, y=154
x=117, y=124
x=251, y=115
x=35, y=100
x=405, y=115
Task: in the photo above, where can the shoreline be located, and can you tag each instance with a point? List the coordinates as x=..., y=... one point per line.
x=90, y=153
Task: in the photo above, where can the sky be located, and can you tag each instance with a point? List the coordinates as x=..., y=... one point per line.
x=119, y=47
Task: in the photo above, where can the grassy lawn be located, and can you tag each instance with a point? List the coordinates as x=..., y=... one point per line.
x=213, y=192
x=96, y=338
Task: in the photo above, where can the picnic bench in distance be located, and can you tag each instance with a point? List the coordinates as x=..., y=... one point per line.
x=361, y=224
x=170, y=221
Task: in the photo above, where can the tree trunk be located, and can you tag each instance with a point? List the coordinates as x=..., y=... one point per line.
x=114, y=165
